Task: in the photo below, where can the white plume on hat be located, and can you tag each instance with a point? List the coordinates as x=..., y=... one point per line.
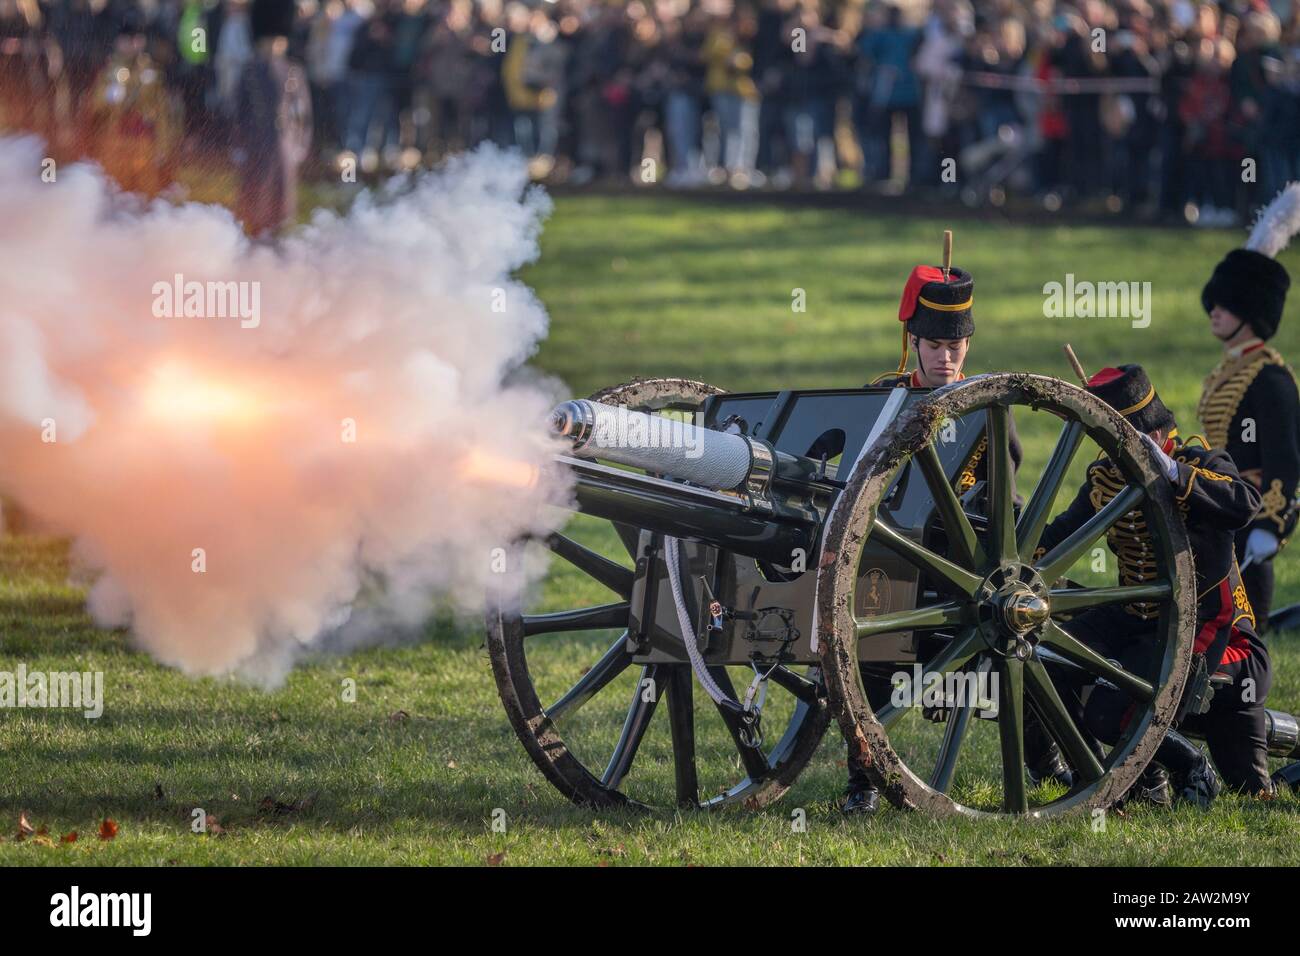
x=1277, y=223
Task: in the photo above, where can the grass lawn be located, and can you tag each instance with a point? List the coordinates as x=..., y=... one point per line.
x=415, y=770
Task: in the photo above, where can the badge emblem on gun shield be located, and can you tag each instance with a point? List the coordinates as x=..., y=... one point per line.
x=873, y=592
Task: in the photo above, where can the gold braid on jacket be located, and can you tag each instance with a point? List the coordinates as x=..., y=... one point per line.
x=1226, y=386
x=1129, y=538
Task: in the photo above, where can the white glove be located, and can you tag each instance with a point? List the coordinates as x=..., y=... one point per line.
x=1261, y=544
x=1163, y=461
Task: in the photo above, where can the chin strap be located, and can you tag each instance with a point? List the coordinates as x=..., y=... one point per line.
x=902, y=362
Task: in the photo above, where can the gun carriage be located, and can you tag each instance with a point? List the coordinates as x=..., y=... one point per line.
x=807, y=545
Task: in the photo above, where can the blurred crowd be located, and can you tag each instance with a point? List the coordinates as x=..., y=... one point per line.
x=1160, y=107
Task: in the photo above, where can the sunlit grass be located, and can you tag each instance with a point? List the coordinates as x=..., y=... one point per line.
x=416, y=770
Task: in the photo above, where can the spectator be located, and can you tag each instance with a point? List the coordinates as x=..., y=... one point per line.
x=729, y=83
x=1147, y=105
x=1207, y=111
x=895, y=92
x=275, y=122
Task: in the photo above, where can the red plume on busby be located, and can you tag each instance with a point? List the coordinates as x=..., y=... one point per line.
x=936, y=306
x=1129, y=391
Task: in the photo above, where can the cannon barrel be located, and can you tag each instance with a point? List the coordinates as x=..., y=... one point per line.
x=723, y=520
x=722, y=461
x=741, y=494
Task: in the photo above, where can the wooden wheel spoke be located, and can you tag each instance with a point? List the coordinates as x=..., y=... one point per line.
x=960, y=650
x=609, y=573
x=752, y=758
x=1056, y=562
x=953, y=735
x=944, y=572
x=1076, y=652
x=1077, y=599
x=1033, y=519
x=800, y=686
x=612, y=663
x=1002, y=485
x=635, y=725
x=961, y=536
x=938, y=615
x=681, y=723
x=582, y=619
x=1050, y=709
x=1011, y=733
x=887, y=714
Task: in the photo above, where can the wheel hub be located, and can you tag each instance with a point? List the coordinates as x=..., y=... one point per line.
x=1023, y=611
x=1013, y=607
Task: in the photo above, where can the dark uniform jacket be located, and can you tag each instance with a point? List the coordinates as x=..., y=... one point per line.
x=1215, y=501
x=1258, y=385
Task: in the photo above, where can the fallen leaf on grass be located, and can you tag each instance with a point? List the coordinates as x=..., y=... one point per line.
x=451, y=765
x=25, y=829
x=494, y=859
x=280, y=808
x=69, y=837
x=213, y=827
x=108, y=829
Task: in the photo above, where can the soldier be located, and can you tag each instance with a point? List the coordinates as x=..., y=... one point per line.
x=1250, y=406
x=134, y=122
x=1216, y=501
x=274, y=123
x=935, y=310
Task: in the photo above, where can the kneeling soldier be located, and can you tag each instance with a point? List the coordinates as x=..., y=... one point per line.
x=1216, y=502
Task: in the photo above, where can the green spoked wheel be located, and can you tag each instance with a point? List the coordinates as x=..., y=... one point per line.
x=585, y=708
x=996, y=618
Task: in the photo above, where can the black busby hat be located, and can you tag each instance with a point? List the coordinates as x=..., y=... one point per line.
x=1252, y=286
x=1129, y=391
x=936, y=304
x=272, y=18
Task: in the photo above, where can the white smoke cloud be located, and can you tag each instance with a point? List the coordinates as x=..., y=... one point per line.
x=399, y=322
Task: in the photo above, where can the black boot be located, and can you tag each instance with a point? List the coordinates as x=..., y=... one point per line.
x=1152, y=788
x=1194, y=779
x=1050, y=765
x=863, y=800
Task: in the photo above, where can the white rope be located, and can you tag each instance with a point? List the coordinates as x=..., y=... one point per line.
x=689, y=637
